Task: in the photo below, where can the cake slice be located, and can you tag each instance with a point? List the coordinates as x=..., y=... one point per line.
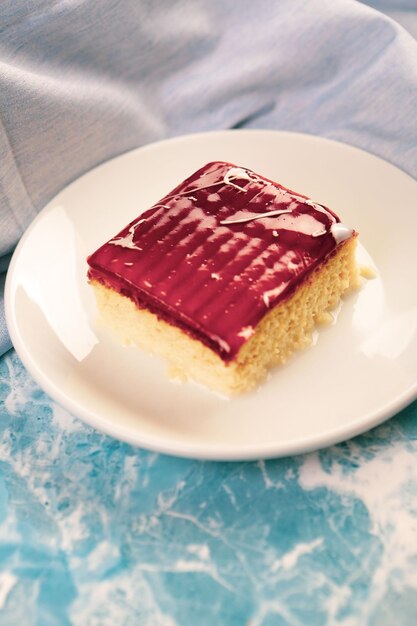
x=226, y=276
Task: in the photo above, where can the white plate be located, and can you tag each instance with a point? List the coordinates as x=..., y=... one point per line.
x=361, y=371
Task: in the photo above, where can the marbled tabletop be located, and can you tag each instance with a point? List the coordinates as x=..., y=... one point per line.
x=94, y=532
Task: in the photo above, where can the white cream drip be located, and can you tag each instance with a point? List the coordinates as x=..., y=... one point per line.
x=237, y=173
x=340, y=232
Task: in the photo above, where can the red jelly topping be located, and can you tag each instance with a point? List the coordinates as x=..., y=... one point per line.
x=218, y=252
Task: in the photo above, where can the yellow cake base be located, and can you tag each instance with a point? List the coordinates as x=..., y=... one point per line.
x=285, y=329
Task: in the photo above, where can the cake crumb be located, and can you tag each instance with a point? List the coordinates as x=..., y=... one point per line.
x=176, y=374
x=325, y=319
x=368, y=272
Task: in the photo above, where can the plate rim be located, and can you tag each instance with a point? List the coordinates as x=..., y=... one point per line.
x=161, y=444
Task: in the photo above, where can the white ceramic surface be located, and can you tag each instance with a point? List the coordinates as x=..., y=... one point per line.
x=360, y=371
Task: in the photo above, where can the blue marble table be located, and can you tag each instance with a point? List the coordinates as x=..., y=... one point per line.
x=94, y=532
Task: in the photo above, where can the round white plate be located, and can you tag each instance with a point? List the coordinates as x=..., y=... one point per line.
x=360, y=371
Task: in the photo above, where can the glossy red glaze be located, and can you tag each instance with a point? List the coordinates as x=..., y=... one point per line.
x=217, y=281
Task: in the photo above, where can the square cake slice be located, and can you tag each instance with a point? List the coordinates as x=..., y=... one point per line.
x=226, y=276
